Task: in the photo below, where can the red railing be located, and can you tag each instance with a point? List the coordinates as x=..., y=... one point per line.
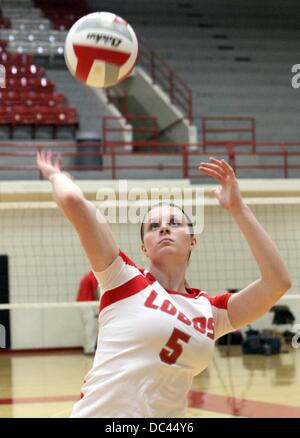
x=148, y=125
x=211, y=125
x=188, y=156
x=234, y=151
x=118, y=95
x=162, y=74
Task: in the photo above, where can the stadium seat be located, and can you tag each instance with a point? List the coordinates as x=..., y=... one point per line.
x=44, y=123
x=63, y=15
x=15, y=58
x=5, y=123
x=5, y=23
x=28, y=71
x=36, y=84
x=66, y=123
x=3, y=45
x=23, y=121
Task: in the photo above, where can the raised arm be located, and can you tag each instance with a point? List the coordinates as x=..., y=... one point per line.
x=94, y=232
x=258, y=297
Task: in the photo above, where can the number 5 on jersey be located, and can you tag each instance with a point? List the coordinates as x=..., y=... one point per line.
x=170, y=354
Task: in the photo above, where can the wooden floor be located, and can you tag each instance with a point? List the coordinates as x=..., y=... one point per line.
x=235, y=385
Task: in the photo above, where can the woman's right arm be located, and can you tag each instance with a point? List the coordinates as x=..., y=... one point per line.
x=93, y=230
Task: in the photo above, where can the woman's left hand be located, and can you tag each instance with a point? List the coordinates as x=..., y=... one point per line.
x=228, y=192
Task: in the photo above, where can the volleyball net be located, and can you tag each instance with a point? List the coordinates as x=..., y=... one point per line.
x=46, y=262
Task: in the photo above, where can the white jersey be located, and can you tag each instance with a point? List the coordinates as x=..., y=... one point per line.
x=152, y=342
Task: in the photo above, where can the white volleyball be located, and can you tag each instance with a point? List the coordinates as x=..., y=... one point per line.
x=101, y=49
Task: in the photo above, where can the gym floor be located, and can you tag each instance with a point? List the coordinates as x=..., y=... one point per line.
x=46, y=384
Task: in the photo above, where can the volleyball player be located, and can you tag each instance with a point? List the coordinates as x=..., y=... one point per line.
x=156, y=332
x=89, y=291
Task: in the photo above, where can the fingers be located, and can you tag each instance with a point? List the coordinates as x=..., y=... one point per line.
x=57, y=163
x=218, y=169
x=212, y=173
x=43, y=156
x=225, y=166
x=39, y=157
x=49, y=157
x=228, y=168
x=214, y=167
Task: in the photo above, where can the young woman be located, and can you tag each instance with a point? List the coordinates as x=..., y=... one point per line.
x=156, y=333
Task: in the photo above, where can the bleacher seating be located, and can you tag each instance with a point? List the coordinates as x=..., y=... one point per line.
x=31, y=98
x=29, y=101
x=29, y=105
x=30, y=31
x=7, y=58
x=35, y=41
x=5, y=23
x=62, y=15
x=3, y=45
x=241, y=62
x=47, y=47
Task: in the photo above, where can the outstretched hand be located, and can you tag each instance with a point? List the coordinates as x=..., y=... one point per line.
x=44, y=163
x=228, y=192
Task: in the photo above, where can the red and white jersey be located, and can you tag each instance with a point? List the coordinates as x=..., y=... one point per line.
x=152, y=342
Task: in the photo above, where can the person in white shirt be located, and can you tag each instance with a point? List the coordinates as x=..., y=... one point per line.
x=155, y=332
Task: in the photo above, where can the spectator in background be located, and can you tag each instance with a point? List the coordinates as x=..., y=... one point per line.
x=88, y=291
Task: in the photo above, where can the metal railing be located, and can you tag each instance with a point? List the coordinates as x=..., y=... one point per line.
x=162, y=74
x=118, y=96
x=188, y=155
x=233, y=125
x=147, y=125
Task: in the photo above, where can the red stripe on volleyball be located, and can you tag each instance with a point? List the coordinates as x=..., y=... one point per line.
x=87, y=55
x=120, y=20
x=128, y=73
x=126, y=290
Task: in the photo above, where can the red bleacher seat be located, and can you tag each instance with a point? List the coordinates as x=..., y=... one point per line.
x=13, y=116
x=62, y=14
x=66, y=117
x=31, y=84
x=22, y=115
x=5, y=116
x=7, y=58
x=5, y=23
x=5, y=119
x=3, y=45
x=28, y=70
x=29, y=99
x=57, y=100
x=43, y=117
x=56, y=117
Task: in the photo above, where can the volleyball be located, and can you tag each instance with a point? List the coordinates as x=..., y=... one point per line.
x=101, y=49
